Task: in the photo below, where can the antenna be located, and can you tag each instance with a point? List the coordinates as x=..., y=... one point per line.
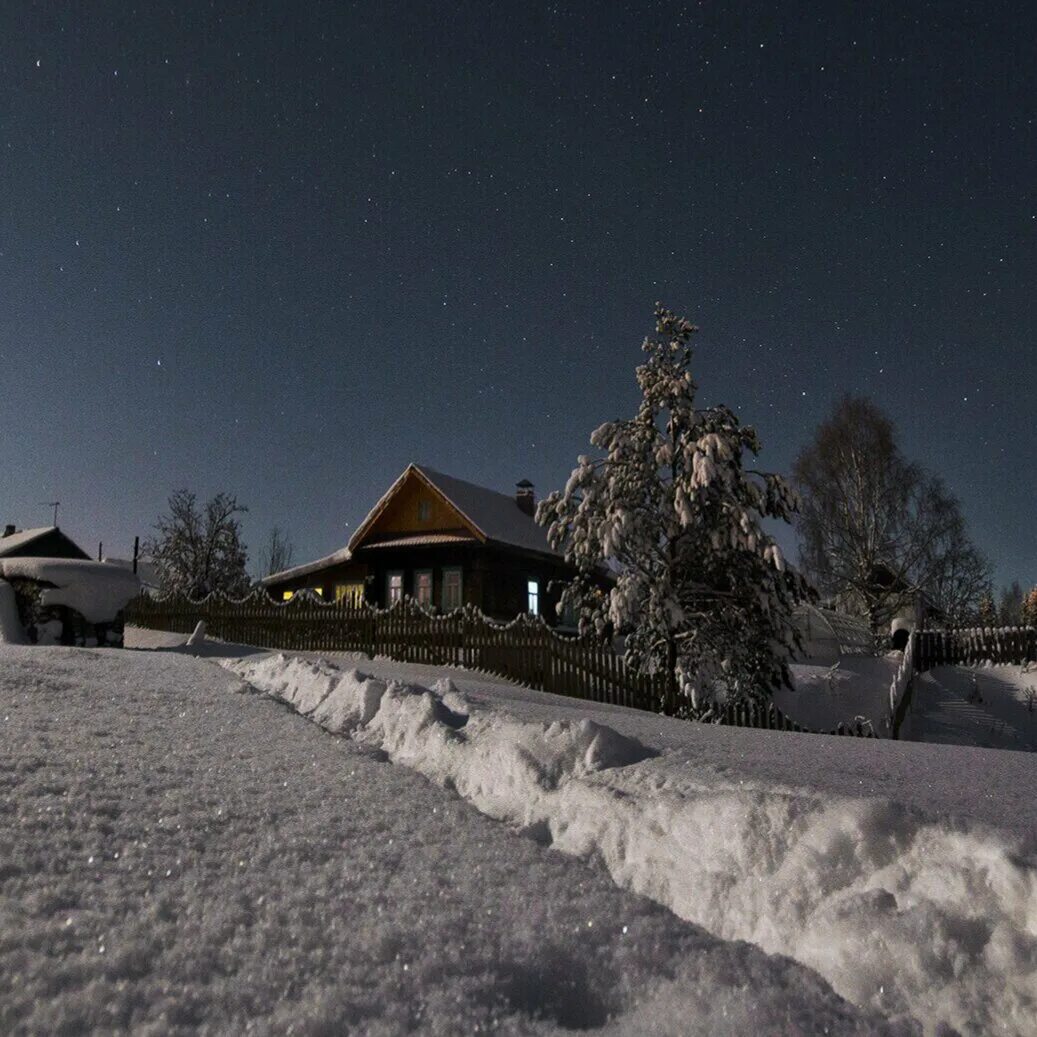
x=55, y=504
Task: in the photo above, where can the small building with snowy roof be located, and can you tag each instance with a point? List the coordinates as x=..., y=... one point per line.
x=444, y=542
x=826, y=634
x=45, y=542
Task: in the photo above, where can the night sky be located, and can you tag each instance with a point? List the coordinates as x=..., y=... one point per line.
x=284, y=250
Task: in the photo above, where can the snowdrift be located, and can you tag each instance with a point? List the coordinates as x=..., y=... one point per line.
x=903, y=914
x=98, y=592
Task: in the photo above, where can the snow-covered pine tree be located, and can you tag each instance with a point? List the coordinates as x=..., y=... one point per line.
x=701, y=593
x=200, y=551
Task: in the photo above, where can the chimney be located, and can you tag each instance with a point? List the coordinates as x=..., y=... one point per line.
x=524, y=497
x=9, y=531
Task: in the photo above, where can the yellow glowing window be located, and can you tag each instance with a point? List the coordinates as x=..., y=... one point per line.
x=353, y=593
x=287, y=595
x=318, y=590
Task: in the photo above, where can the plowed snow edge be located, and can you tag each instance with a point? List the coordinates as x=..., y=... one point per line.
x=902, y=914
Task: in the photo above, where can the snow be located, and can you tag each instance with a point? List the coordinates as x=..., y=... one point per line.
x=992, y=706
x=24, y=537
x=11, y=632
x=179, y=855
x=906, y=912
x=854, y=685
x=95, y=590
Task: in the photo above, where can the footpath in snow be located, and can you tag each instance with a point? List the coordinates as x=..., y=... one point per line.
x=180, y=855
x=912, y=902
x=990, y=706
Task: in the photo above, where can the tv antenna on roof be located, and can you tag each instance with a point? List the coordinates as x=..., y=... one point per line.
x=55, y=504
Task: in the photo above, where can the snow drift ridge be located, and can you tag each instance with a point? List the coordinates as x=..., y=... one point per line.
x=902, y=914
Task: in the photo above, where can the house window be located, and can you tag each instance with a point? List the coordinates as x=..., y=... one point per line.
x=394, y=588
x=451, y=589
x=287, y=595
x=319, y=591
x=351, y=593
x=533, y=597
x=424, y=510
x=423, y=586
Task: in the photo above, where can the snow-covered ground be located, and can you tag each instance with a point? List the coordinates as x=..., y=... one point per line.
x=993, y=706
x=178, y=855
x=888, y=868
x=855, y=686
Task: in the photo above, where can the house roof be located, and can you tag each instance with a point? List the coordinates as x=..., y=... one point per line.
x=423, y=540
x=492, y=515
x=343, y=554
x=21, y=539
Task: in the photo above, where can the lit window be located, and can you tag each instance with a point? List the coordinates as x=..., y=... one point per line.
x=394, y=583
x=319, y=591
x=287, y=595
x=351, y=593
x=533, y=597
x=451, y=589
x=423, y=586
x=424, y=510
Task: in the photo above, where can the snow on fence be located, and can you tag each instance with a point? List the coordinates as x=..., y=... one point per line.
x=900, y=688
x=525, y=650
x=971, y=645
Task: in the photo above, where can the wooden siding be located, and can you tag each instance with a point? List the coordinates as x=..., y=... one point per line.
x=400, y=514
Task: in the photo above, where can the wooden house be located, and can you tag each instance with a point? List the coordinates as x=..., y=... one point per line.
x=444, y=542
x=45, y=542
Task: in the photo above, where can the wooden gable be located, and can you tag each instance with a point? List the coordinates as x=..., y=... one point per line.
x=413, y=506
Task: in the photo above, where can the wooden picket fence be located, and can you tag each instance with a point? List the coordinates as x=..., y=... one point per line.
x=526, y=650
x=972, y=645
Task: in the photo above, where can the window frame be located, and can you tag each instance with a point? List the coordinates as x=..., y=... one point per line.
x=418, y=573
x=533, y=597
x=449, y=570
x=389, y=599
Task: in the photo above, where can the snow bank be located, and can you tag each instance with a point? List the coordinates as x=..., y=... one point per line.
x=11, y=632
x=95, y=590
x=901, y=913
x=176, y=859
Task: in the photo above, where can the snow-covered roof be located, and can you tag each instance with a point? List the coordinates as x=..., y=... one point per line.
x=95, y=590
x=343, y=554
x=20, y=539
x=850, y=633
x=496, y=516
x=423, y=540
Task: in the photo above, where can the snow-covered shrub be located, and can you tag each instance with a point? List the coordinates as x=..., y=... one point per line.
x=701, y=592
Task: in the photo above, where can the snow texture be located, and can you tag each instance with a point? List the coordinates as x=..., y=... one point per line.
x=98, y=592
x=992, y=706
x=906, y=914
x=177, y=856
x=852, y=686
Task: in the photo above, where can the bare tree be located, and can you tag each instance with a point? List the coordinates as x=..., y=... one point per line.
x=198, y=551
x=960, y=579
x=875, y=529
x=277, y=555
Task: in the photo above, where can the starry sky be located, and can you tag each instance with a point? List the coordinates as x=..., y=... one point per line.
x=283, y=250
